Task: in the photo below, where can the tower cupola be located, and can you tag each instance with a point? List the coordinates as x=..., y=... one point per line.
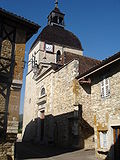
x=56, y=17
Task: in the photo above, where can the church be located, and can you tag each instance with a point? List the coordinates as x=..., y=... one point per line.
x=71, y=100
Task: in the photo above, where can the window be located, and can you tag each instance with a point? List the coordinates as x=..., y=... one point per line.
x=103, y=139
x=60, y=20
x=105, y=88
x=55, y=19
x=58, y=56
x=42, y=91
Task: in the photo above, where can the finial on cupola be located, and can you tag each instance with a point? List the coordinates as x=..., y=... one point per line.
x=56, y=3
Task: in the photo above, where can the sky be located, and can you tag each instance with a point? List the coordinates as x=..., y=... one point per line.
x=95, y=22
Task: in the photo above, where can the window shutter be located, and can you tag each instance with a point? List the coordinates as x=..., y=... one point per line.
x=104, y=140
x=102, y=89
x=107, y=88
x=101, y=139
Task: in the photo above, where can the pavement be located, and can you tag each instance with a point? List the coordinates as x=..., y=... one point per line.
x=76, y=155
x=38, y=152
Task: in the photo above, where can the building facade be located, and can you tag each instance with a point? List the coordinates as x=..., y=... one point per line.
x=14, y=33
x=71, y=100
x=105, y=105
x=51, y=112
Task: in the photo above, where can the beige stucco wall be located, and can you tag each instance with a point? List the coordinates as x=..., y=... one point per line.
x=29, y=101
x=74, y=51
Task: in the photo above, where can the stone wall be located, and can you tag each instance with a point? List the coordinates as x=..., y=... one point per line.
x=58, y=101
x=12, y=57
x=83, y=97
x=15, y=90
x=7, y=151
x=59, y=85
x=62, y=104
x=106, y=110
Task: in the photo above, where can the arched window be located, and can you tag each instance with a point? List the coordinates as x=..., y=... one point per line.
x=42, y=91
x=58, y=56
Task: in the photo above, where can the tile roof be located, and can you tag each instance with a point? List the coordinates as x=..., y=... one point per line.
x=58, y=35
x=85, y=63
x=29, y=26
x=99, y=66
x=7, y=13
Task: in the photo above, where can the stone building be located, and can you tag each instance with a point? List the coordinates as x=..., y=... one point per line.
x=51, y=113
x=15, y=31
x=71, y=100
x=104, y=104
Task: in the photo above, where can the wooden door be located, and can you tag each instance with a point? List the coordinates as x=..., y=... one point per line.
x=116, y=133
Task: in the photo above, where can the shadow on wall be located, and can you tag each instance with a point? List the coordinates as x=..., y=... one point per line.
x=7, y=65
x=30, y=131
x=67, y=131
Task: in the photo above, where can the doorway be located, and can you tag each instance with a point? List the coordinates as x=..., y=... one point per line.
x=116, y=136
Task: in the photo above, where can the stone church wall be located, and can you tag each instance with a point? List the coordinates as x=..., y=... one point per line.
x=63, y=105
x=41, y=56
x=59, y=105
x=63, y=97
x=29, y=102
x=64, y=94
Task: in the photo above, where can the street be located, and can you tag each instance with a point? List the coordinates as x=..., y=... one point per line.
x=37, y=152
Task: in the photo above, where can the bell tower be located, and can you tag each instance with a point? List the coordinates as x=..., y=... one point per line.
x=56, y=17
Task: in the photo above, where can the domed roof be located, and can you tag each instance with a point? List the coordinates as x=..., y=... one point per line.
x=58, y=35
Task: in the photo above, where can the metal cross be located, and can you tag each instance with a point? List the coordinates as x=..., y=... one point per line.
x=56, y=3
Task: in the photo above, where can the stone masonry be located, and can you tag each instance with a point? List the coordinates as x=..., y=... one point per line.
x=103, y=112
x=106, y=110
x=62, y=101
x=13, y=37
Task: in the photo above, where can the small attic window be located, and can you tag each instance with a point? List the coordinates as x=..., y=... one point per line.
x=42, y=91
x=58, y=56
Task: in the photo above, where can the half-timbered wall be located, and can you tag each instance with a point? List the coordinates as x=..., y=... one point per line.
x=7, y=61
x=12, y=49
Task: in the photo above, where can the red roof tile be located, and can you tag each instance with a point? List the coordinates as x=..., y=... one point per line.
x=85, y=63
